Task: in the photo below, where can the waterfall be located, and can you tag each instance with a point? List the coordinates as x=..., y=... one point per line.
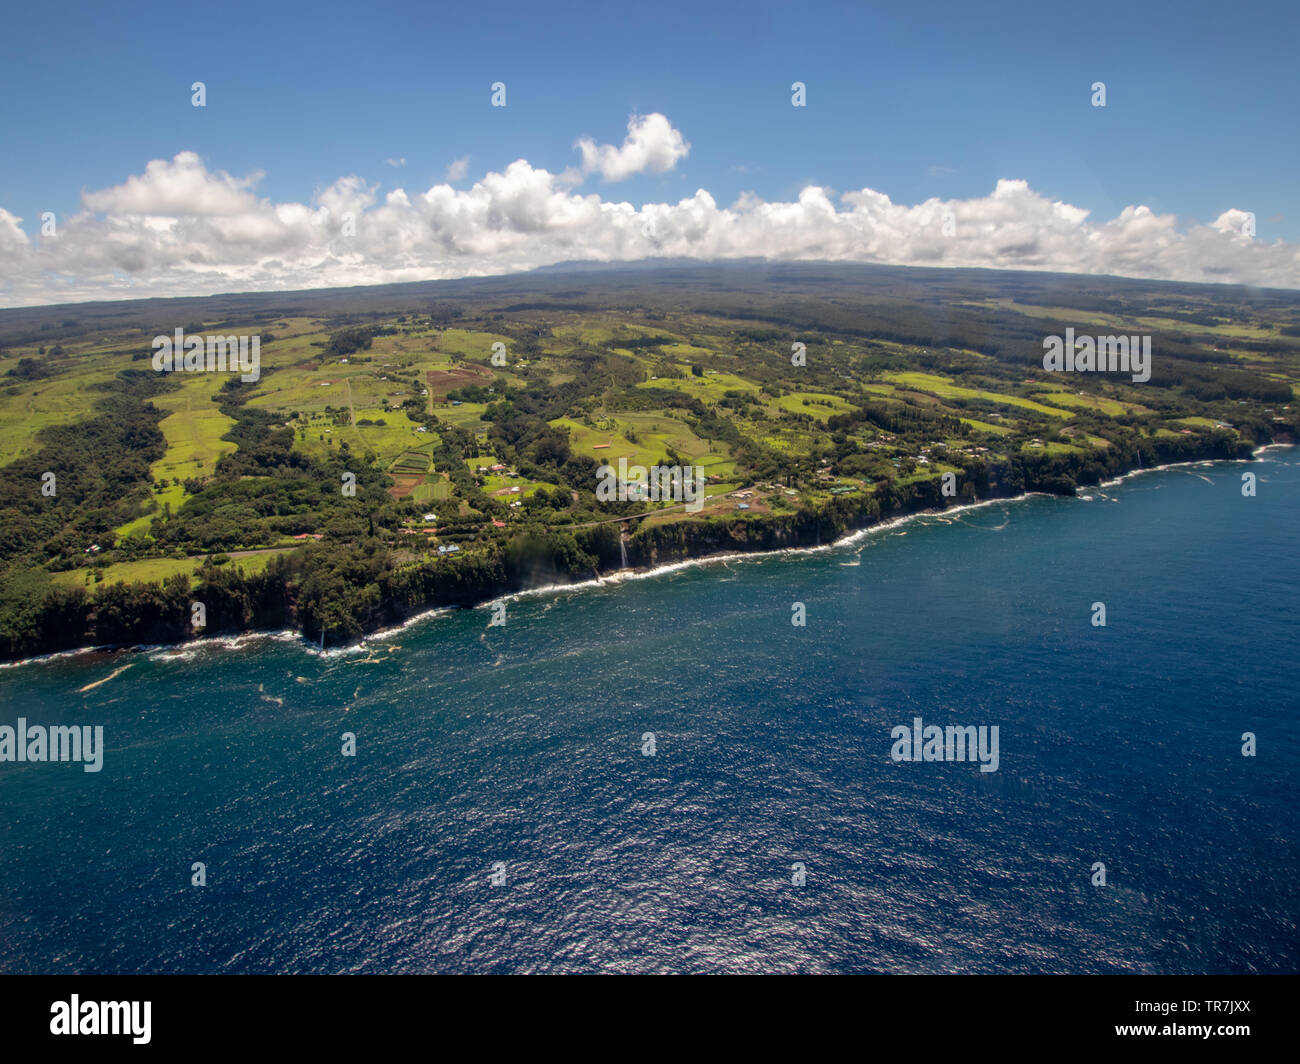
x=622, y=549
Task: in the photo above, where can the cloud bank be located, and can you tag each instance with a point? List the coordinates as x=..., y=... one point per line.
x=180, y=228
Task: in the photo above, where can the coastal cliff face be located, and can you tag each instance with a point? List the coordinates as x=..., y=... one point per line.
x=346, y=591
x=450, y=477
x=1057, y=475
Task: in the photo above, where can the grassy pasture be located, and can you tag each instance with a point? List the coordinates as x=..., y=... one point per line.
x=1109, y=407
x=708, y=389
x=34, y=405
x=470, y=344
x=946, y=389
x=583, y=440
x=193, y=431
x=794, y=403
x=986, y=426
x=158, y=569
x=465, y=416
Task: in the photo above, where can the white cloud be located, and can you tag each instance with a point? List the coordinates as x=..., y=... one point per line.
x=652, y=146
x=458, y=169
x=396, y=162
x=182, y=186
x=12, y=238
x=180, y=229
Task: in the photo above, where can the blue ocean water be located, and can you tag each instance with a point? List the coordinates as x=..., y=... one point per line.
x=523, y=744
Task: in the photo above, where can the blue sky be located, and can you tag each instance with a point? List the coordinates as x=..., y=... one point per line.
x=914, y=100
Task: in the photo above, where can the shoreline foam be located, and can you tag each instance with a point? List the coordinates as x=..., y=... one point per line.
x=184, y=652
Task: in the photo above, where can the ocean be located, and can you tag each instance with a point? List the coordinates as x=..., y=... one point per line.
x=662, y=773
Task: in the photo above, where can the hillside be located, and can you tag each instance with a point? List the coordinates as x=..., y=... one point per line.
x=473, y=416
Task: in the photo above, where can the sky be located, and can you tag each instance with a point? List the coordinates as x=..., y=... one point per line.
x=350, y=144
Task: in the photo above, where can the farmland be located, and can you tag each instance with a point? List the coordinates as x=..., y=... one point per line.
x=374, y=410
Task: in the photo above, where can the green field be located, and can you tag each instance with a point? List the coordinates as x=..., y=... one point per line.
x=359, y=380
x=817, y=405
x=158, y=569
x=1089, y=401
x=944, y=388
x=193, y=430
x=709, y=388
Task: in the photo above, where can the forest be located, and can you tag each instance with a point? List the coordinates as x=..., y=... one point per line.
x=387, y=463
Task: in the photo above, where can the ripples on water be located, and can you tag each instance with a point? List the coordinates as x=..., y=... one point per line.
x=522, y=744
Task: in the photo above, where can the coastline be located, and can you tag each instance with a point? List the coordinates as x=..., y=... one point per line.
x=188, y=649
x=852, y=537
x=192, y=647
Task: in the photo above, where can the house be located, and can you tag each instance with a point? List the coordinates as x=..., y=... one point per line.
x=420, y=428
x=430, y=518
x=742, y=506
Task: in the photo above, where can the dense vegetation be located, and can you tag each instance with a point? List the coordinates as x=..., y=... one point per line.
x=414, y=446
